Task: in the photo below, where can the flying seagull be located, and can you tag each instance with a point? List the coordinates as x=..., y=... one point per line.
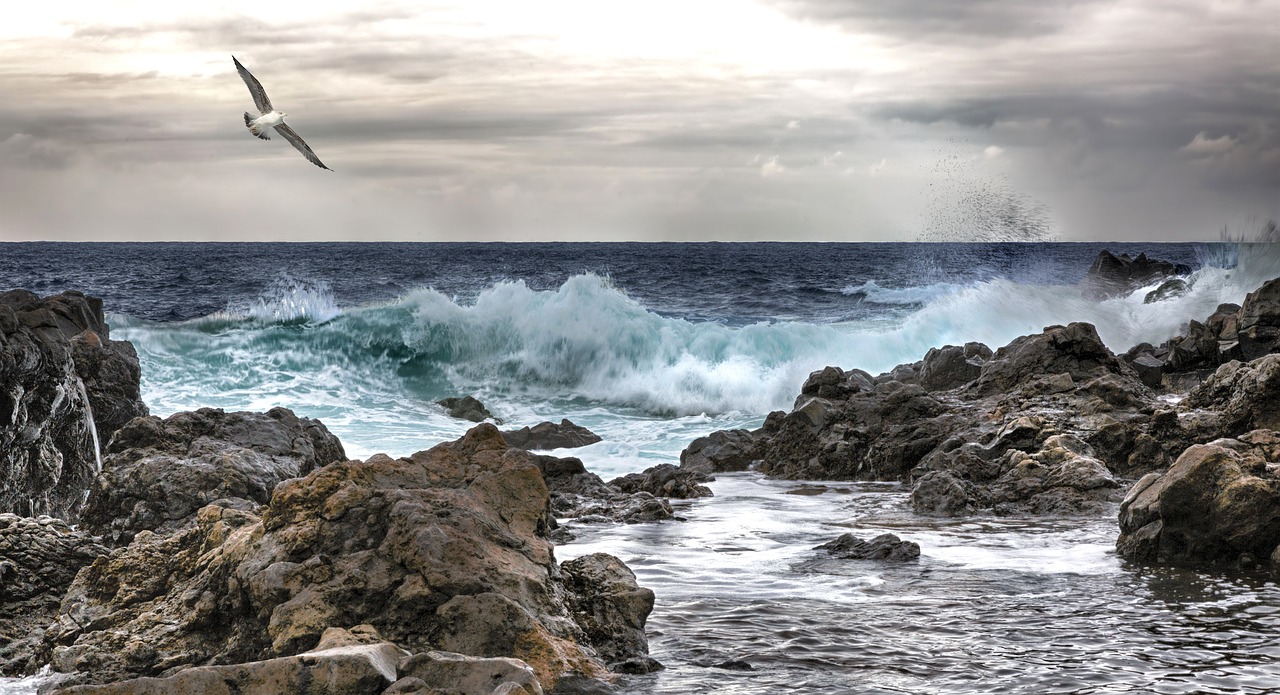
x=271, y=118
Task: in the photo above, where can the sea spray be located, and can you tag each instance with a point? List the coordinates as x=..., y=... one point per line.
x=93, y=429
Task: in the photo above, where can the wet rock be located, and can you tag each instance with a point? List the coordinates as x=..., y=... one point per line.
x=467, y=408
x=1258, y=322
x=1169, y=289
x=1112, y=276
x=547, y=435
x=39, y=558
x=665, y=480
x=886, y=546
x=835, y=383
x=1218, y=504
x=158, y=473
x=445, y=549
x=1149, y=369
x=63, y=382
x=1244, y=396
x=577, y=493
x=609, y=605
x=720, y=452
x=1074, y=349
x=438, y=671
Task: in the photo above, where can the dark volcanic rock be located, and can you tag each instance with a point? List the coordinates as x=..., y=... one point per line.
x=577, y=493
x=953, y=366
x=467, y=408
x=609, y=605
x=1218, y=504
x=1074, y=349
x=886, y=546
x=548, y=435
x=1112, y=275
x=158, y=473
x=38, y=560
x=1169, y=289
x=720, y=452
x=1241, y=396
x=59, y=372
x=445, y=550
x=665, y=480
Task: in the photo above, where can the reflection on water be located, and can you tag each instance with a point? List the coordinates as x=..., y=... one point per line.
x=992, y=606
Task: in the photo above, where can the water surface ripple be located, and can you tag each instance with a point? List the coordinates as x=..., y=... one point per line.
x=992, y=606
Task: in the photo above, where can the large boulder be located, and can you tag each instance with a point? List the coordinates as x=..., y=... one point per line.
x=1258, y=321
x=1111, y=275
x=158, y=473
x=1218, y=504
x=39, y=558
x=610, y=606
x=446, y=549
x=65, y=388
x=720, y=452
x=1242, y=397
x=885, y=546
x=952, y=366
x=1074, y=349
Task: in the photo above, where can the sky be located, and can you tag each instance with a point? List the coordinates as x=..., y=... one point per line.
x=661, y=120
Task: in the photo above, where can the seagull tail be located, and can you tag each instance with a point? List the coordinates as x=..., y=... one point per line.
x=256, y=130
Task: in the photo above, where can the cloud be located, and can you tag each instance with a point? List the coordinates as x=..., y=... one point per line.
x=965, y=21
x=1204, y=146
x=993, y=151
x=771, y=167
x=22, y=150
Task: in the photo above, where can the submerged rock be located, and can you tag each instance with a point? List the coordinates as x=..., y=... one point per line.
x=65, y=388
x=548, y=435
x=886, y=546
x=467, y=408
x=443, y=550
x=665, y=480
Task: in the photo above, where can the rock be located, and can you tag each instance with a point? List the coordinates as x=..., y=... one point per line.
x=953, y=366
x=577, y=493
x=609, y=605
x=158, y=473
x=1218, y=504
x=886, y=546
x=665, y=480
x=64, y=385
x=547, y=435
x=352, y=670
x=39, y=557
x=1149, y=370
x=468, y=675
x=1111, y=275
x=1074, y=349
x=1258, y=322
x=835, y=383
x=720, y=452
x=1169, y=289
x=443, y=550
x=467, y=408
x=1245, y=396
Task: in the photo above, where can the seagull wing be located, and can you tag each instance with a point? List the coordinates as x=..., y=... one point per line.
x=297, y=141
x=255, y=88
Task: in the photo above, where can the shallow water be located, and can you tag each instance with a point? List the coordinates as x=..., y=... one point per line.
x=992, y=606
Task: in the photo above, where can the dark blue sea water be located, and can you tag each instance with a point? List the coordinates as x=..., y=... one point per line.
x=653, y=345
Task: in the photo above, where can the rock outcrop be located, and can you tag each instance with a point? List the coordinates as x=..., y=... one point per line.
x=445, y=550
x=39, y=558
x=65, y=388
x=158, y=473
x=1218, y=504
x=579, y=494
x=549, y=435
x=1044, y=425
x=467, y=408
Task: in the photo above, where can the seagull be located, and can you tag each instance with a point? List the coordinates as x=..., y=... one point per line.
x=271, y=118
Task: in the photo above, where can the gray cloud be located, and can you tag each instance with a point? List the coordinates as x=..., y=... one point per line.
x=947, y=20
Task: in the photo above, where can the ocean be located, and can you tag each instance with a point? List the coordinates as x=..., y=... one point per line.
x=653, y=345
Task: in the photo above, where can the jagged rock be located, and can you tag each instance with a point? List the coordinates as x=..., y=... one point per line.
x=1111, y=275
x=158, y=473
x=1244, y=396
x=39, y=557
x=609, y=605
x=834, y=382
x=1149, y=369
x=1219, y=503
x=720, y=452
x=63, y=383
x=952, y=366
x=1258, y=321
x=1169, y=289
x=1074, y=349
x=547, y=435
x=467, y=408
x=577, y=493
x=886, y=546
x=665, y=480
x=445, y=549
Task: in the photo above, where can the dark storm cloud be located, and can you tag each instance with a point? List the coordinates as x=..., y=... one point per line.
x=945, y=20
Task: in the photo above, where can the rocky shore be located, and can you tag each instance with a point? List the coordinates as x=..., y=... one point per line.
x=245, y=552
x=1056, y=424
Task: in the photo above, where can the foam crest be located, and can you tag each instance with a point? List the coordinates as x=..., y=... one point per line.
x=290, y=300
x=904, y=295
